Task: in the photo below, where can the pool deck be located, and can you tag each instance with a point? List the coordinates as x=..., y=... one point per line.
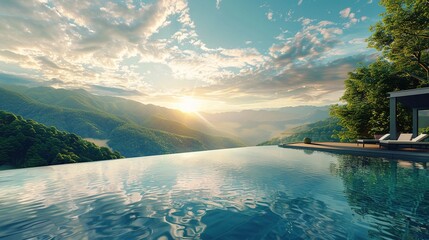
x=369, y=150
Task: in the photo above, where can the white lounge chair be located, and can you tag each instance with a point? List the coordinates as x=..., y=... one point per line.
x=404, y=142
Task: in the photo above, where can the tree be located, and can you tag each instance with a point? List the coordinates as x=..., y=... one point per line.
x=403, y=36
x=366, y=111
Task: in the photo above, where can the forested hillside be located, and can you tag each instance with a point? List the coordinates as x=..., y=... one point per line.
x=321, y=131
x=26, y=143
x=132, y=128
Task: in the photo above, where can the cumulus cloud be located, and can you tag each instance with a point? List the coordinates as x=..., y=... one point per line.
x=70, y=38
x=214, y=64
x=300, y=2
x=88, y=43
x=345, y=12
x=307, y=83
x=105, y=46
x=307, y=45
x=218, y=3
x=270, y=15
x=351, y=17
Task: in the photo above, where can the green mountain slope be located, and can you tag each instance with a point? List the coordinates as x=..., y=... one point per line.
x=26, y=143
x=116, y=119
x=128, y=110
x=84, y=123
x=136, y=140
x=321, y=131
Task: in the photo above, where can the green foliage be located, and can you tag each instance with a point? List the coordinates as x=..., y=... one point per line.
x=366, y=111
x=321, y=131
x=424, y=130
x=26, y=143
x=142, y=141
x=403, y=36
x=103, y=117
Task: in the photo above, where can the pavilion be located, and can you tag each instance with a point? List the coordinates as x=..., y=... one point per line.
x=415, y=99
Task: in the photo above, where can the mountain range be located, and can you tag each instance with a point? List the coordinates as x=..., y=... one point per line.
x=136, y=129
x=132, y=128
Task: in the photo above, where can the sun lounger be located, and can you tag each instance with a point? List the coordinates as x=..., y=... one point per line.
x=403, y=143
x=372, y=141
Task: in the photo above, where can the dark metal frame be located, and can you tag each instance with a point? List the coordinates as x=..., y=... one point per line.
x=415, y=99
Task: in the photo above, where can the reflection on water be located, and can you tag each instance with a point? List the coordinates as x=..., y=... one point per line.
x=248, y=193
x=392, y=196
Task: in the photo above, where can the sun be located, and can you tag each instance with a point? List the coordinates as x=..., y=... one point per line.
x=188, y=104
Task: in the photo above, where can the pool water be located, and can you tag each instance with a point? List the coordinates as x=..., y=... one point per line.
x=243, y=193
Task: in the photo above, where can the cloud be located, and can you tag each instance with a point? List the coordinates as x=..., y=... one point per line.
x=345, y=12
x=307, y=45
x=90, y=44
x=357, y=41
x=307, y=83
x=110, y=46
x=79, y=42
x=218, y=3
x=214, y=64
x=300, y=2
x=270, y=15
x=306, y=21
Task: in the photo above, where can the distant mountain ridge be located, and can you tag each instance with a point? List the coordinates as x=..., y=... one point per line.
x=134, y=129
x=256, y=126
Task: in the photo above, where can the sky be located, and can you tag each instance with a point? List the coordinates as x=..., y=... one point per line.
x=224, y=55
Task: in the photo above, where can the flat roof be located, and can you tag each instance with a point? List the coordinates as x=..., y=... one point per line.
x=417, y=98
x=410, y=92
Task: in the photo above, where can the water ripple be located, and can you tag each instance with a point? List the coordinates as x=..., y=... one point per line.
x=249, y=193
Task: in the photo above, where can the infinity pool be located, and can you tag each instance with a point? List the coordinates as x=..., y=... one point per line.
x=245, y=193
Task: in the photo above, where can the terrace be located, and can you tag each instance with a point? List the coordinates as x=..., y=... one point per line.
x=370, y=150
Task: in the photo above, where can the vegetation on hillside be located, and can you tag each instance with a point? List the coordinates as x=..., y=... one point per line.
x=321, y=131
x=26, y=143
x=403, y=37
x=128, y=125
x=137, y=141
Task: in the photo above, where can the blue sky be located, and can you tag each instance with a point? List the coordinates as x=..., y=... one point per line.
x=226, y=54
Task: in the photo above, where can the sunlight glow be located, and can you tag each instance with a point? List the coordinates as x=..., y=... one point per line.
x=189, y=105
